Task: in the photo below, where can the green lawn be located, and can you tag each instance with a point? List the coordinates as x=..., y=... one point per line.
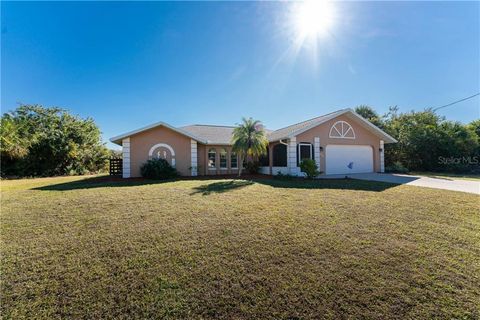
x=235, y=249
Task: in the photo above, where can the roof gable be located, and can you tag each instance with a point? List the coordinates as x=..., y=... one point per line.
x=118, y=139
x=296, y=129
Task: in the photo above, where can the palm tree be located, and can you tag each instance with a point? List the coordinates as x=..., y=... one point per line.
x=249, y=140
x=12, y=145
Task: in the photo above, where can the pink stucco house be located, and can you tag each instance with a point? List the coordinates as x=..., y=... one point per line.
x=340, y=142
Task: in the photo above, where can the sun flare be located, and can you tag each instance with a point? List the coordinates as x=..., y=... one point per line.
x=313, y=19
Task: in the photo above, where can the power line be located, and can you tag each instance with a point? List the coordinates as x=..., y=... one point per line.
x=447, y=105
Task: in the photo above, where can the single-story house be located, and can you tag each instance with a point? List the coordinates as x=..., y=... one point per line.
x=340, y=142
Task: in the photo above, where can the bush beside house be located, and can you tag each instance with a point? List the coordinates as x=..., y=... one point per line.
x=310, y=168
x=158, y=169
x=38, y=141
x=427, y=141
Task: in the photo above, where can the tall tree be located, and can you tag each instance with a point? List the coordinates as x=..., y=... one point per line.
x=12, y=146
x=370, y=114
x=475, y=126
x=249, y=140
x=38, y=141
x=426, y=139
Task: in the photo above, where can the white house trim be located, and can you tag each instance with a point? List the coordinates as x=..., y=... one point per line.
x=299, y=153
x=164, y=145
x=126, y=158
x=154, y=125
x=230, y=159
x=382, y=156
x=194, y=156
x=292, y=156
x=316, y=151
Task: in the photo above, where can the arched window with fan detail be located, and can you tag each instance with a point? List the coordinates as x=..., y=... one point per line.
x=342, y=130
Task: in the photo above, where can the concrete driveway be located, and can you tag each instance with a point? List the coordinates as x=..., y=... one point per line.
x=419, y=181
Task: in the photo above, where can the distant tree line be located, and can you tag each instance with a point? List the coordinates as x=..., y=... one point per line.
x=38, y=141
x=427, y=141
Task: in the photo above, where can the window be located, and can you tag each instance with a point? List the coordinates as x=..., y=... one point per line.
x=342, y=130
x=280, y=155
x=233, y=160
x=304, y=152
x=162, y=154
x=212, y=163
x=263, y=159
x=223, y=158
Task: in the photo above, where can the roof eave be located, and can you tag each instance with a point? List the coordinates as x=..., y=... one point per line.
x=118, y=139
x=386, y=137
x=213, y=143
x=323, y=120
x=276, y=139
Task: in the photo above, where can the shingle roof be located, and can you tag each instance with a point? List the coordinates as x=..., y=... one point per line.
x=118, y=139
x=211, y=133
x=214, y=134
x=292, y=129
x=298, y=128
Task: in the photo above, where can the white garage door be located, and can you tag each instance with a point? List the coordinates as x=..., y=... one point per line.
x=343, y=159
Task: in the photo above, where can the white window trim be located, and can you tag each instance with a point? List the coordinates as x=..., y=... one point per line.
x=236, y=167
x=208, y=159
x=300, y=146
x=220, y=159
x=341, y=135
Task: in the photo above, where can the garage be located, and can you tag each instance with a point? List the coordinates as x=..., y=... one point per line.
x=345, y=159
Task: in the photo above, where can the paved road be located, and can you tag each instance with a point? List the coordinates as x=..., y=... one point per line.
x=420, y=181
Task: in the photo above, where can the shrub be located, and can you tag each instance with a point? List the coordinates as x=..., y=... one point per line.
x=396, y=167
x=158, y=169
x=38, y=141
x=426, y=139
x=310, y=168
x=252, y=167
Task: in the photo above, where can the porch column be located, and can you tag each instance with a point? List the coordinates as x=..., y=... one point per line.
x=292, y=156
x=316, y=151
x=194, y=156
x=126, y=158
x=382, y=156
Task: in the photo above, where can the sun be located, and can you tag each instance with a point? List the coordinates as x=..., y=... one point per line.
x=313, y=19
x=312, y=28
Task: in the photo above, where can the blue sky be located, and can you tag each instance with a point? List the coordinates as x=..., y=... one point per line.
x=129, y=64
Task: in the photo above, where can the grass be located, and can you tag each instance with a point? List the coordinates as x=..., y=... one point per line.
x=449, y=176
x=236, y=249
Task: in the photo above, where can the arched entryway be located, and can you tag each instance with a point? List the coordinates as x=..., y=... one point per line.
x=163, y=151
